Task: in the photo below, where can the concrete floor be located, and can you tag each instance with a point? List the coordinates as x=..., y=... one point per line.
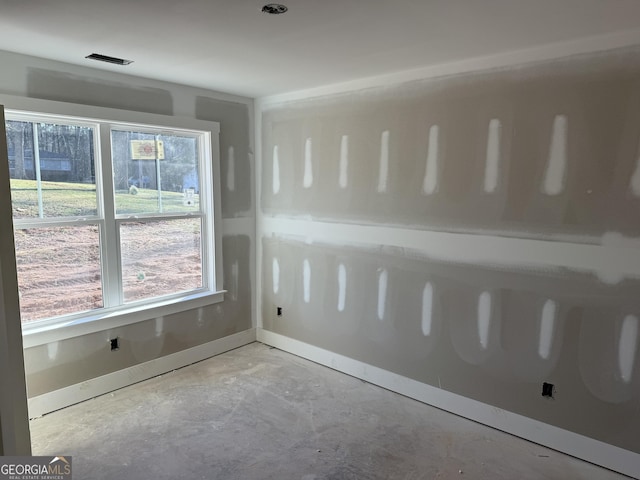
x=260, y=413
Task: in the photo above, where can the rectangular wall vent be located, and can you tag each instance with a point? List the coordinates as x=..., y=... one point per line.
x=105, y=58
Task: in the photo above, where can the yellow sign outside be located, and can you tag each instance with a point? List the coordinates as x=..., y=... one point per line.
x=147, y=150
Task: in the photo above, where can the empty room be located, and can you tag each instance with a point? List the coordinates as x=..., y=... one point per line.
x=320, y=240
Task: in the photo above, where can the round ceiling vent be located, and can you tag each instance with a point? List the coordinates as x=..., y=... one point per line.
x=274, y=8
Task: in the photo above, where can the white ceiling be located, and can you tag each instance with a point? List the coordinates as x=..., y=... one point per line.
x=231, y=46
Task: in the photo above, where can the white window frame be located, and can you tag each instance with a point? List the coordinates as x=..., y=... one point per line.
x=107, y=119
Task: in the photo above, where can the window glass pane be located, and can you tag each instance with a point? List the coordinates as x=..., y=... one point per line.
x=160, y=257
x=58, y=271
x=24, y=194
x=155, y=173
x=55, y=175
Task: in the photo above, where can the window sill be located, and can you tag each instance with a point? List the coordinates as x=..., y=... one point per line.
x=34, y=335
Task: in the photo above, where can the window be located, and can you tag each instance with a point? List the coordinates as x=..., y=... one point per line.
x=110, y=216
x=158, y=212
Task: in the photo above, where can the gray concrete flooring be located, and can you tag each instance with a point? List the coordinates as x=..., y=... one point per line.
x=260, y=413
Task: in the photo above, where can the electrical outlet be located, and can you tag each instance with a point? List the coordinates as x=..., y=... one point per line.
x=279, y=311
x=115, y=344
x=547, y=390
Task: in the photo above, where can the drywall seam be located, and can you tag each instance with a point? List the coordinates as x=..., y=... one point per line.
x=551, y=51
x=585, y=448
x=611, y=263
x=79, y=392
x=238, y=226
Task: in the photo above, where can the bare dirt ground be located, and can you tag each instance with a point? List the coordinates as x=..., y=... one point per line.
x=59, y=268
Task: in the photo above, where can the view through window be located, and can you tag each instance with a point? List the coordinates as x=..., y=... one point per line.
x=94, y=232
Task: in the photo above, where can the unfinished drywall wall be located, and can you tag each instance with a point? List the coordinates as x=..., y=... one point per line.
x=527, y=152
x=236, y=155
x=489, y=333
x=65, y=87
x=59, y=364
x=477, y=233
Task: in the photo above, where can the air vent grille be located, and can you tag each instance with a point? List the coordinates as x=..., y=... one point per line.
x=108, y=59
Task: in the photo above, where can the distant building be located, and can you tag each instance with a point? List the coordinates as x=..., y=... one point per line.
x=53, y=166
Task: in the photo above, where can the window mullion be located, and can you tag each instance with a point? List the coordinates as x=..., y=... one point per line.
x=158, y=177
x=36, y=158
x=109, y=241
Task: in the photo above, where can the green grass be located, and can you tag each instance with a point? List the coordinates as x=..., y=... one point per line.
x=63, y=199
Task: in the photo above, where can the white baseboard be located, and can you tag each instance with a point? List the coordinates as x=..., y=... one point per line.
x=79, y=392
x=585, y=448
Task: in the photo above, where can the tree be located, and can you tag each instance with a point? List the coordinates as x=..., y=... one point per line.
x=19, y=140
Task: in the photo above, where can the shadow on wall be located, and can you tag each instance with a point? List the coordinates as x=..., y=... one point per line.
x=235, y=153
x=63, y=87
